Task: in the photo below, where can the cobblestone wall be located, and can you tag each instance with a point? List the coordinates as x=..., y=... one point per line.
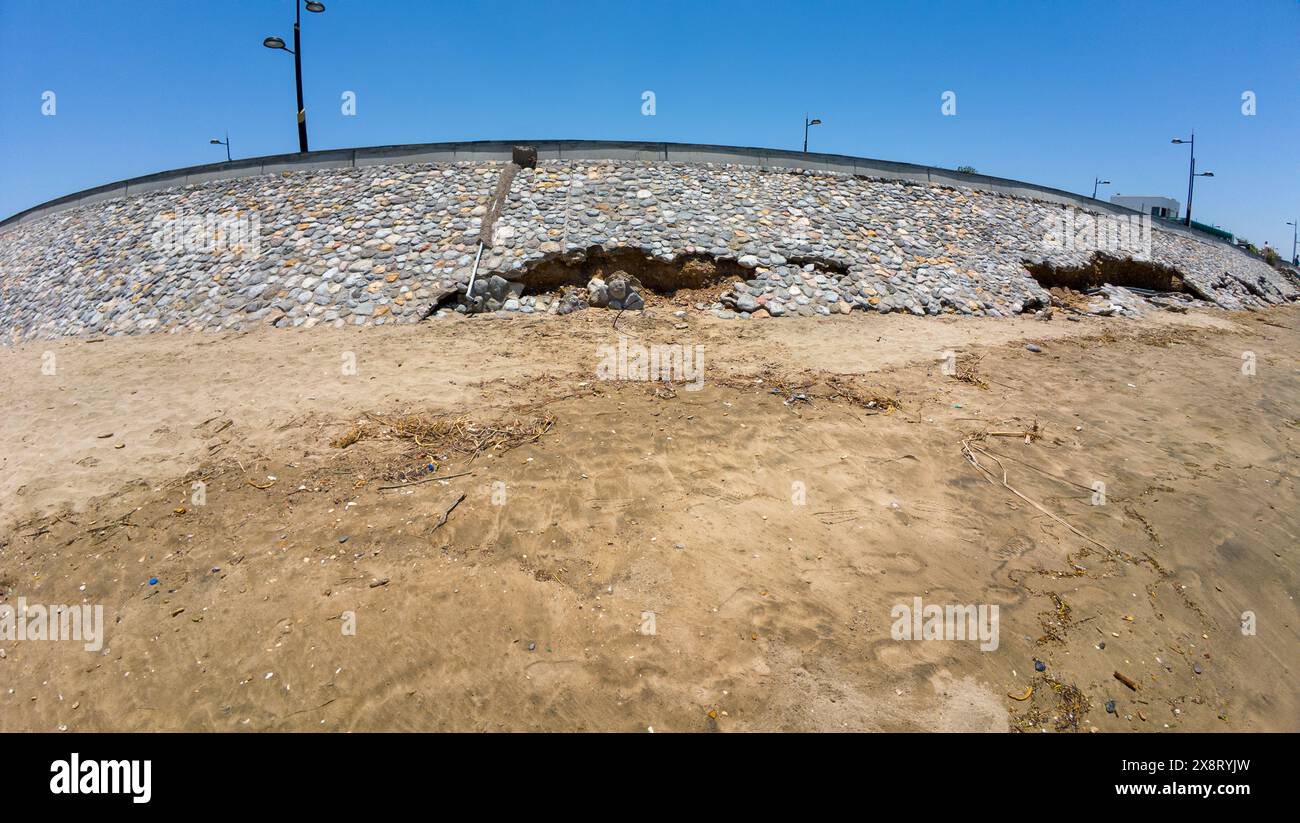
x=380, y=244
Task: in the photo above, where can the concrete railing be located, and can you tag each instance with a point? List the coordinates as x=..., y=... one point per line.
x=500, y=150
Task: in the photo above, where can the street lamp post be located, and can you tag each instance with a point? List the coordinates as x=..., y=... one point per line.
x=214, y=141
x=1191, y=174
x=1294, y=228
x=1097, y=181
x=296, y=51
x=806, y=124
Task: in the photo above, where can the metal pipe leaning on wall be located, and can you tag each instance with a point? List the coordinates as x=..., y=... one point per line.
x=522, y=157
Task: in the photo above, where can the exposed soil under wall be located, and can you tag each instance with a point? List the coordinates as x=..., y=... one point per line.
x=696, y=277
x=688, y=271
x=1105, y=268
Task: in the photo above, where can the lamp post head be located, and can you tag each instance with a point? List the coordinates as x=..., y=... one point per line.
x=1177, y=140
x=273, y=43
x=814, y=122
x=1205, y=174
x=316, y=7
x=215, y=142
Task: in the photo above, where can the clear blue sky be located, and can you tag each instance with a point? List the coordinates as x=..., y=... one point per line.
x=1049, y=92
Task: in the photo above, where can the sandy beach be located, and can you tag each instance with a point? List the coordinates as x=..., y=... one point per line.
x=626, y=555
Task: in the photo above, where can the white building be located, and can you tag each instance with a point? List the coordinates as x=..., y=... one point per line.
x=1152, y=205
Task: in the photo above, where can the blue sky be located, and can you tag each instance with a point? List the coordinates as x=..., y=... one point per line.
x=1048, y=92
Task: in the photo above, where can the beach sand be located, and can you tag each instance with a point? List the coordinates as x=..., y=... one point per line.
x=764, y=539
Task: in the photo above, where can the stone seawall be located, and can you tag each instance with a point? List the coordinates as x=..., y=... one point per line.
x=383, y=244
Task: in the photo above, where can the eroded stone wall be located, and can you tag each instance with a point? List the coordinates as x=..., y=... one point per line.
x=381, y=244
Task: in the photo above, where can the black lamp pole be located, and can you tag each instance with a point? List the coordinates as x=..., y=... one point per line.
x=1294, y=229
x=225, y=143
x=1191, y=174
x=806, y=124
x=297, y=75
x=1097, y=181
x=296, y=51
x=1191, y=178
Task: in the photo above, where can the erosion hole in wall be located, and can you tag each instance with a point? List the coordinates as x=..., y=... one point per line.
x=1104, y=268
x=570, y=273
x=687, y=271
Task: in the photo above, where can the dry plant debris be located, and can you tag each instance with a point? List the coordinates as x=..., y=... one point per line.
x=969, y=372
x=446, y=437
x=807, y=386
